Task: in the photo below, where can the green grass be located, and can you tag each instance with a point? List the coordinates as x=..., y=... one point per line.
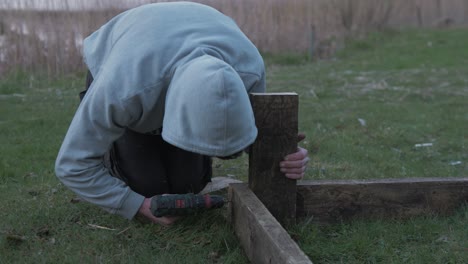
x=406, y=91
x=420, y=240
x=409, y=87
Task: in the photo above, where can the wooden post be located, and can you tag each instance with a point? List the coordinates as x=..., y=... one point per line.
x=276, y=118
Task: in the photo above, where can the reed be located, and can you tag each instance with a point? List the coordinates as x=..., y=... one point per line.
x=48, y=38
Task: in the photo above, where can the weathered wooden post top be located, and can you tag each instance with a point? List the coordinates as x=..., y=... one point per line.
x=276, y=118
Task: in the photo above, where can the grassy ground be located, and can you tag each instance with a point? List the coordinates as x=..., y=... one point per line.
x=363, y=113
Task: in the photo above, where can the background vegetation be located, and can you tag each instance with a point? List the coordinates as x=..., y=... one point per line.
x=49, y=39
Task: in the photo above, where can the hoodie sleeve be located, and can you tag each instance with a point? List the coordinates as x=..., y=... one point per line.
x=98, y=122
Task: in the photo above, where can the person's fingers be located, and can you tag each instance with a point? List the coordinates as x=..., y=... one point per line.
x=297, y=170
x=145, y=212
x=300, y=154
x=300, y=136
x=294, y=164
x=295, y=176
x=165, y=220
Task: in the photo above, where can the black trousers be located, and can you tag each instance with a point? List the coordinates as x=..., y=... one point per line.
x=151, y=166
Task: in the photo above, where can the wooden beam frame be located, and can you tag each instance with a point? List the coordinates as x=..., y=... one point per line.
x=332, y=201
x=263, y=238
x=265, y=241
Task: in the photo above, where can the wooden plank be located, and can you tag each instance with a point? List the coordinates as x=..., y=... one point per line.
x=263, y=238
x=331, y=201
x=276, y=117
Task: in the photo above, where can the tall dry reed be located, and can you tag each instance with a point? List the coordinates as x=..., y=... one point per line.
x=50, y=40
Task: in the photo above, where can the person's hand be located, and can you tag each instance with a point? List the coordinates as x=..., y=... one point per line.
x=146, y=213
x=294, y=165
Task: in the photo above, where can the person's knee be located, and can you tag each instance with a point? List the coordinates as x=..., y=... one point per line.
x=188, y=187
x=149, y=188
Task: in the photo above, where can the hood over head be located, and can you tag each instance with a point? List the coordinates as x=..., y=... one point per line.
x=208, y=110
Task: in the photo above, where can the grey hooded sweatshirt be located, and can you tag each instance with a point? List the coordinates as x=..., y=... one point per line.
x=181, y=68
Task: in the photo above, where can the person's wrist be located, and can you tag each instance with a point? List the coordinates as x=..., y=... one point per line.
x=145, y=206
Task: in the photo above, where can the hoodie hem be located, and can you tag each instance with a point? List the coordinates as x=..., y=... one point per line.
x=178, y=142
